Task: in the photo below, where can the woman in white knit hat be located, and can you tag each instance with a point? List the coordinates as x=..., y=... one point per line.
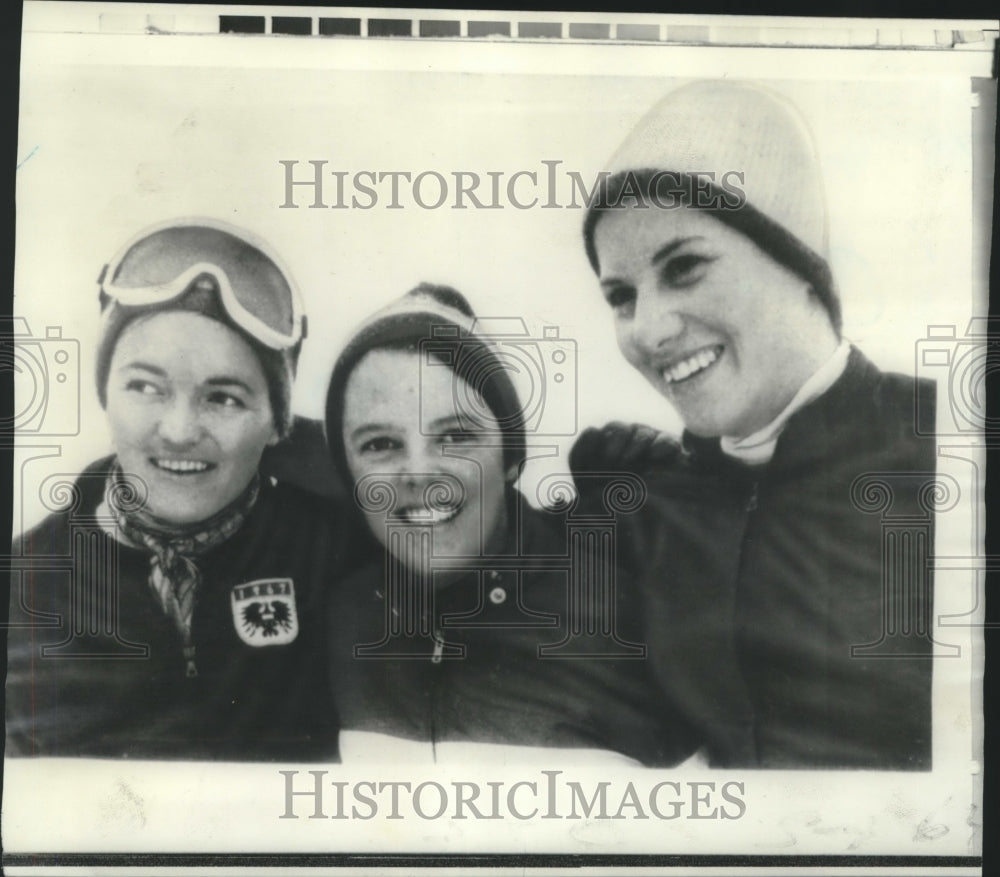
x=764, y=598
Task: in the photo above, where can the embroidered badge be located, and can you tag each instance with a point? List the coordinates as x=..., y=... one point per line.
x=264, y=612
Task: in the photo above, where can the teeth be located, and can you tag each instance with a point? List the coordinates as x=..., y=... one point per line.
x=442, y=516
x=692, y=365
x=421, y=515
x=181, y=465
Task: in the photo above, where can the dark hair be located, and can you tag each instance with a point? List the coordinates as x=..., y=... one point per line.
x=780, y=244
x=471, y=358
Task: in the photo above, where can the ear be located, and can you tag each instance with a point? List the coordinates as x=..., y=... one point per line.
x=510, y=476
x=274, y=438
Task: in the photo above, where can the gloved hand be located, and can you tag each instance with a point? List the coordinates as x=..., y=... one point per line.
x=622, y=447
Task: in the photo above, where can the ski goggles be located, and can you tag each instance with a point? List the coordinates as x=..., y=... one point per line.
x=165, y=262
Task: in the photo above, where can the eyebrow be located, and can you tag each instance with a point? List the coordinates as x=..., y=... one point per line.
x=366, y=428
x=656, y=258
x=145, y=366
x=665, y=251
x=225, y=381
x=449, y=420
x=221, y=381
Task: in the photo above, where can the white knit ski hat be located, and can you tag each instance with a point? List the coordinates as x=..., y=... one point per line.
x=737, y=138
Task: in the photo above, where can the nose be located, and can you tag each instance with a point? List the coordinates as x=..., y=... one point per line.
x=419, y=464
x=657, y=321
x=179, y=423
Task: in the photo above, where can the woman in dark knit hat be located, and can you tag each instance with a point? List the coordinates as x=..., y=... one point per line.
x=455, y=643
x=764, y=584
x=188, y=624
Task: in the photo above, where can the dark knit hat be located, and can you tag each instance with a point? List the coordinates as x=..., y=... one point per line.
x=438, y=321
x=739, y=152
x=171, y=248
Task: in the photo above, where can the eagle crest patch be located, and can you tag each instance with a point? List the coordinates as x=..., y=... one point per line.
x=264, y=612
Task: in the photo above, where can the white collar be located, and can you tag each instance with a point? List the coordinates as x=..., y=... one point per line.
x=758, y=447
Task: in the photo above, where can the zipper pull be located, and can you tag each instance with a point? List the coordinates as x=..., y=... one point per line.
x=438, y=648
x=191, y=670
x=752, y=502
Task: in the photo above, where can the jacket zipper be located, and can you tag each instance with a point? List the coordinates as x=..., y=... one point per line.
x=190, y=668
x=435, y=683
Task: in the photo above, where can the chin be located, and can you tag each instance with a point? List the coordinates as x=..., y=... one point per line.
x=454, y=545
x=711, y=421
x=183, y=510
x=706, y=428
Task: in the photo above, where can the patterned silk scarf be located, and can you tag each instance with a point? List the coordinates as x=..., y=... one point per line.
x=173, y=576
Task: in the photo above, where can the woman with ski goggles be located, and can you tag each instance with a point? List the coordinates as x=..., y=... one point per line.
x=211, y=573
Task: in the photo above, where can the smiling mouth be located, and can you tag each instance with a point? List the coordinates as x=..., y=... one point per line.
x=181, y=467
x=422, y=515
x=691, y=365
